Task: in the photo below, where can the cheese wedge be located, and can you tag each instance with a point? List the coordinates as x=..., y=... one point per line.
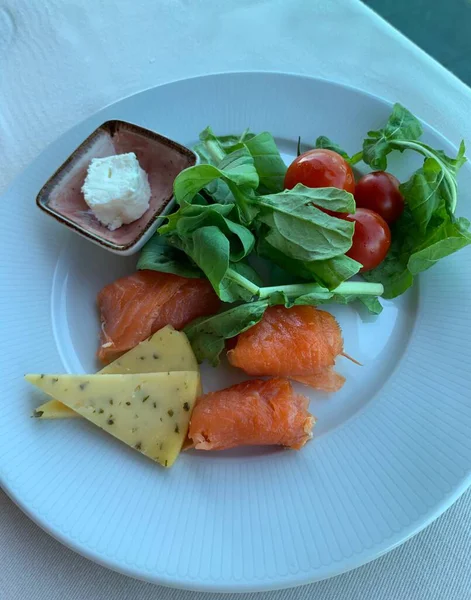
x=166, y=350
x=149, y=412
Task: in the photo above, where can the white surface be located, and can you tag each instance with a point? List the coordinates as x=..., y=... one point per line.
x=49, y=82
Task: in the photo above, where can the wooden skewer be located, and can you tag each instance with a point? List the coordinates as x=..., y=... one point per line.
x=352, y=359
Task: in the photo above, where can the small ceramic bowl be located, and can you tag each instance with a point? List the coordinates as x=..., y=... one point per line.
x=161, y=158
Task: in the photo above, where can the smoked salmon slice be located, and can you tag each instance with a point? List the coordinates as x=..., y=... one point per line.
x=253, y=413
x=300, y=343
x=134, y=307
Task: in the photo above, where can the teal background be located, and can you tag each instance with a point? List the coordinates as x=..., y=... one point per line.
x=440, y=27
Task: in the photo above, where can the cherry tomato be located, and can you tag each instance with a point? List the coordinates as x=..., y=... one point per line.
x=320, y=168
x=379, y=191
x=371, y=240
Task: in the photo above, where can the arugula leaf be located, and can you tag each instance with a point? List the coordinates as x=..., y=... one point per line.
x=267, y=159
x=324, y=142
x=395, y=277
x=224, y=142
x=246, y=203
x=220, y=192
x=270, y=166
x=435, y=182
x=427, y=230
x=237, y=167
x=393, y=272
x=329, y=197
x=215, y=243
x=423, y=192
x=370, y=302
x=207, y=335
x=329, y=273
x=401, y=125
x=302, y=231
x=209, y=149
x=209, y=248
x=453, y=164
x=334, y=271
x=439, y=243
x=242, y=240
x=158, y=255
x=412, y=252
x=190, y=218
x=212, y=153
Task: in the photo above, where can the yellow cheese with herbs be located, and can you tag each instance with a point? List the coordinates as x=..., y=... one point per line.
x=164, y=351
x=149, y=412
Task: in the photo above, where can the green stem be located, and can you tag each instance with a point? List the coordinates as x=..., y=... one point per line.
x=356, y=158
x=215, y=150
x=448, y=177
x=349, y=288
x=242, y=201
x=244, y=134
x=243, y=282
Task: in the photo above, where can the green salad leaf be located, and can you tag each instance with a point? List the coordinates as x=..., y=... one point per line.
x=413, y=252
x=208, y=335
x=329, y=273
x=190, y=218
x=324, y=142
x=401, y=125
x=211, y=146
x=211, y=150
x=210, y=249
x=302, y=231
x=422, y=192
x=159, y=255
x=237, y=167
x=270, y=166
x=428, y=229
x=432, y=185
x=371, y=303
x=445, y=240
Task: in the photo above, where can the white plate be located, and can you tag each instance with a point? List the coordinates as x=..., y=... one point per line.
x=392, y=450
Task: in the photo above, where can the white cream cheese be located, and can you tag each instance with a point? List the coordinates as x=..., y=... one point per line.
x=116, y=189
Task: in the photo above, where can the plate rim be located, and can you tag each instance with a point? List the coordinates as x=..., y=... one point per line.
x=197, y=584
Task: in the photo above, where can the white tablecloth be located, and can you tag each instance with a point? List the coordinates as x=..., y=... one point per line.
x=61, y=60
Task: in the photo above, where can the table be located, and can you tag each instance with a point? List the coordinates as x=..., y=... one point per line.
x=61, y=60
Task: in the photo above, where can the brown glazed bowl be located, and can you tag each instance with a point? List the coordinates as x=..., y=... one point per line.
x=162, y=159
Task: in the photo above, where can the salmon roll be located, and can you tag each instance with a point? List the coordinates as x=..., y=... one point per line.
x=300, y=343
x=134, y=307
x=253, y=413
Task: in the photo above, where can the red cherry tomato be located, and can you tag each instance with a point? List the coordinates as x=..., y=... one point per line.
x=379, y=191
x=371, y=240
x=320, y=168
